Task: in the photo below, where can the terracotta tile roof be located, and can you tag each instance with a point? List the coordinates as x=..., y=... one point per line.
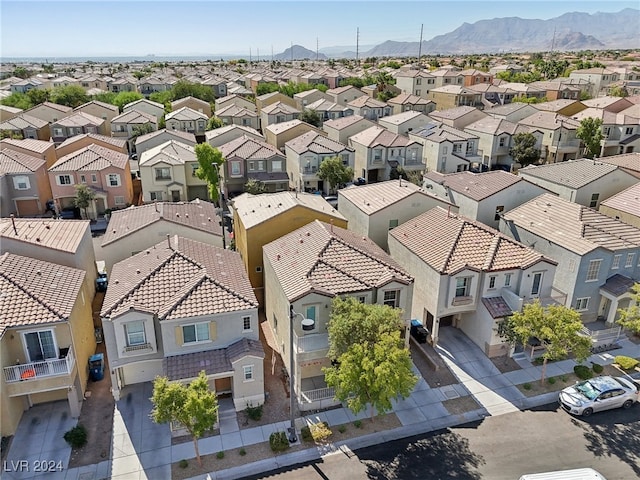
x=317, y=143
x=449, y=243
x=135, y=117
x=344, y=122
x=198, y=214
x=628, y=161
x=184, y=137
x=211, y=134
x=63, y=235
x=549, y=121
x=23, y=121
x=627, y=201
x=476, y=186
x=235, y=111
x=189, y=365
x=79, y=119
x=91, y=158
x=17, y=162
x=171, y=152
x=186, y=113
x=52, y=106
x=575, y=227
x=39, y=146
x=115, y=141
x=36, y=292
x=497, y=307
x=376, y=135
x=330, y=260
x=188, y=279
x=571, y=174
x=253, y=210
x=366, y=101
x=279, y=107
x=248, y=148
x=492, y=125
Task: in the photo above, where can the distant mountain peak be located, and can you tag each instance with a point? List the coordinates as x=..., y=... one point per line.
x=298, y=52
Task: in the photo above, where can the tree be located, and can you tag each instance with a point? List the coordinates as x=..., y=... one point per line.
x=214, y=122
x=266, y=87
x=334, y=171
x=618, y=91
x=106, y=97
x=17, y=100
x=183, y=89
x=140, y=130
x=124, y=98
x=524, y=149
x=84, y=197
x=630, y=317
x=38, y=95
x=557, y=328
x=254, y=187
x=311, y=117
x=165, y=98
x=21, y=72
x=194, y=406
x=210, y=161
x=69, y=95
x=590, y=132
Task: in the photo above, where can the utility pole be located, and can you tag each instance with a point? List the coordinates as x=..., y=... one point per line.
x=553, y=40
x=291, y=52
x=358, y=45
x=258, y=55
x=317, y=49
x=249, y=55
x=272, y=54
x=420, y=45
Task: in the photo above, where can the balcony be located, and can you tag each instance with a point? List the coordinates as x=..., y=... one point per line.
x=310, y=170
x=316, y=394
x=40, y=376
x=311, y=343
x=138, y=349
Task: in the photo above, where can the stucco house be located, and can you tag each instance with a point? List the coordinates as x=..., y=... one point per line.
x=102, y=110
x=187, y=120
x=49, y=112
x=194, y=104
x=340, y=129
x=153, y=139
x=452, y=96
x=468, y=275
x=24, y=184
x=237, y=115
x=344, y=95
x=77, y=142
x=180, y=307
x=277, y=112
x=36, y=148
x=76, y=123
x=329, y=110
x=237, y=100
x=407, y=102
x=125, y=124
x=303, y=99
x=405, y=122
x=458, y=117
x=559, y=141
x=305, y=270
x=447, y=149
x=624, y=206
x=147, y=106
x=222, y=135
x=26, y=126
x=415, y=82
x=278, y=134
x=369, y=108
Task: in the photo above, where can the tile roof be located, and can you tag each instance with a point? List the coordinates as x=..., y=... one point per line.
x=181, y=136
x=35, y=292
x=115, y=141
x=134, y=116
x=344, y=122
x=235, y=111
x=79, y=119
x=400, y=118
x=497, y=307
x=375, y=197
x=366, y=101
x=409, y=99
x=17, y=162
x=317, y=143
x=628, y=161
x=62, y=235
x=216, y=132
x=476, y=186
x=189, y=365
x=453, y=113
x=549, y=121
x=39, y=146
x=248, y=148
x=186, y=113
x=186, y=279
x=555, y=105
x=279, y=107
x=143, y=101
x=23, y=121
x=90, y=158
x=618, y=285
x=278, y=128
x=493, y=125
x=575, y=227
x=450, y=243
x=627, y=201
x=439, y=132
x=104, y=105
x=53, y=106
x=253, y=210
x=198, y=214
x=376, y=135
x=572, y=173
x=172, y=152
x=330, y=260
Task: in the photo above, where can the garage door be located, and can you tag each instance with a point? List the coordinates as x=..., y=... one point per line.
x=199, y=191
x=27, y=207
x=141, y=372
x=223, y=385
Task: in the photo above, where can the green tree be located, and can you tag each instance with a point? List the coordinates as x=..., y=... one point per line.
x=557, y=328
x=210, y=161
x=194, y=406
x=105, y=97
x=140, y=130
x=17, y=100
x=124, y=98
x=214, y=122
x=21, y=72
x=47, y=68
x=618, y=91
x=630, y=317
x=84, y=197
x=69, y=95
x=524, y=149
x=39, y=95
x=254, y=187
x=165, y=98
x=590, y=132
x=311, y=117
x=183, y=89
x=266, y=87
x=334, y=171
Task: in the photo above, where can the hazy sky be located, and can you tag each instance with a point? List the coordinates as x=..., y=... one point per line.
x=129, y=28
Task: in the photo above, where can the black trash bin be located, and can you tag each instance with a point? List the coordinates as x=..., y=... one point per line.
x=418, y=331
x=96, y=367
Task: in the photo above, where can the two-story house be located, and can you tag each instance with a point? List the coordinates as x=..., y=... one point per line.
x=237, y=115
x=237, y=100
x=187, y=120
x=405, y=122
x=49, y=112
x=181, y=307
x=77, y=142
x=407, y=101
x=329, y=110
x=624, y=206
x=304, y=99
x=468, y=275
x=452, y=96
x=369, y=108
x=599, y=78
x=277, y=134
x=129, y=123
x=24, y=184
x=458, y=117
x=305, y=270
x=102, y=110
x=194, y=104
x=147, y=106
x=76, y=123
x=494, y=141
x=415, y=82
x=598, y=256
x=378, y=151
x=153, y=139
x=340, y=129
x=559, y=141
x=105, y=171
x=25, y=126
x=304, y=156
x=277, y=112
x=36, y=148
x=123, y=84
x=344, y=95
x=222, y=135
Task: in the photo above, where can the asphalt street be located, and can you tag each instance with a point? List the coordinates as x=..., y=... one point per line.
x=496, y=448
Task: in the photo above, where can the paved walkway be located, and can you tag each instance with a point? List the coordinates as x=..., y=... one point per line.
x=143, y=450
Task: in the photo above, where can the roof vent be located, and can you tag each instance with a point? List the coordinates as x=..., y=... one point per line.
x=38, y=272
x=178, y=214
x=37, y=239
x=186, y=215
x=308, y=234
x=278, y=257
x=138, y=271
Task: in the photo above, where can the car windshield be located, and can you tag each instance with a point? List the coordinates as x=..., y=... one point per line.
x=588, y=390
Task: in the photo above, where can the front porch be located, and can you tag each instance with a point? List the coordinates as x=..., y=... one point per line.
x=315, y=394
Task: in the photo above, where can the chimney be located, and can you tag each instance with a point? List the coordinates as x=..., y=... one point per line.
x=169, y=241
x=13, y=222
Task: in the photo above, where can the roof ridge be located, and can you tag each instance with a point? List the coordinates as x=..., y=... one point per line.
x=32, y=296
x=454, y=243
x=491, y=253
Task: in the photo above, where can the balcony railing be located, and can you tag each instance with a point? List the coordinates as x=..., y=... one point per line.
x=37, y=370
x=311, y=343
x=309, y=170
x=138, y=348
x=309, y=396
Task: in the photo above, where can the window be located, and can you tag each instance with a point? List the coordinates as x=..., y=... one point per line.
x=252, y=166
x=58, y=132
x=502, y=140
x=629, y=131
x=113, y=180
x=83, y=179
x=392, y=298
x=582, y=304
x=362, y=299
x=198, y=332
x=345, y=159
x=40, y=345
x=246, y=324
x=235, y=167
x=194, y=169
x=135, y=333
x=616, y=262
x=119, y=200
x=155, y=196
x=537, y=281
x=377, y=155
x=593, y=270
x=445, y=150
x=594, y=200
x=507, y=279
x=276, y=165
x=499, y=210
x=21, y=182
x=63, y=180
x=418, y=81
x=418, y=92
x=393, y=224
x=163, y=173
x=247, y=372
x=492, y=281
x=629, y=262
x=94, y=178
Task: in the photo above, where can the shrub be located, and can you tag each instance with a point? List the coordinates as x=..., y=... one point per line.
x=563, y=378
x=582, y=372
x=597, y=368
x=220, y=455
x=242, y=452
x=305, y=433
x=76, y=437
x=626, y=363
x=551, y=380
x=320, y=431
x=183, y=463
x=342, y=428
x=527, y=386
x=278, y=441
x=357, y=424
x=254, y=413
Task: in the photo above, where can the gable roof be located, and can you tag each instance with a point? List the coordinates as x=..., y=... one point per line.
x=476, y=186
x=18, y=162
x=575, y=227
x=79, y=119
x=172, y=152
x=248, y=148
x=549, y=121
x=190, y=138
x=216, y=132
x=62, y=235
x=134, y=116
x=179, y=278
x=493, y=125
x=90, y=158
x=106, y=106
x=628, y=161
x=376, y=135
x=23, y=121
x=115, y=141
x=38, y=146
x=53, y=106
x=440, y=132
x=409, y=99
x=279, y=107
x=186, y=113
x=315, y=142
x=344, y=122
x=400, y=118
x=234, y=111
x=572, y=173
x=366, y=101
x=450, y=243
x=330, y=260
x=627, y=201
x=454, y=113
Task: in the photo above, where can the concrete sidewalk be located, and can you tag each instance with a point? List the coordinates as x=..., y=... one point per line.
x=143, y=450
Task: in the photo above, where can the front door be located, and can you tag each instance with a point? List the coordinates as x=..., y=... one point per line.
x=175, y=195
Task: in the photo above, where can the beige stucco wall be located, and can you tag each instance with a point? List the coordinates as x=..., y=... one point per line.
x=626, y=217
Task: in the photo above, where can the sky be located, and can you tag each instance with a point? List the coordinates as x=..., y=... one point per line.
x=168, y=28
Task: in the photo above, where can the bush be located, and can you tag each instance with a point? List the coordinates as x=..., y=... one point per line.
x=76, y=437
x=220, y=455
x=563, y=378
x=582, y=372
x=305, y=433
x=527, y=386
x=183, y=463
x=551, y=380
x=278, y=441
x=626, y=363
x=342, y=428
x=254, y=413
x=320, y=431
x=357, y=424
x=597, y=368
x=242, y=452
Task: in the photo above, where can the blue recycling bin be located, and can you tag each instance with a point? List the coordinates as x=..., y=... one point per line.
x=96, y=367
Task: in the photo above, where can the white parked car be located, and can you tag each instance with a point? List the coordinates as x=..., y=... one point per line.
x=598, y=393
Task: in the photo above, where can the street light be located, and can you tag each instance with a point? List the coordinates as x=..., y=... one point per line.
x=307, y=324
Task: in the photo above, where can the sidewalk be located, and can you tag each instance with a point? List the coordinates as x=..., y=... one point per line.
x=143, y=450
